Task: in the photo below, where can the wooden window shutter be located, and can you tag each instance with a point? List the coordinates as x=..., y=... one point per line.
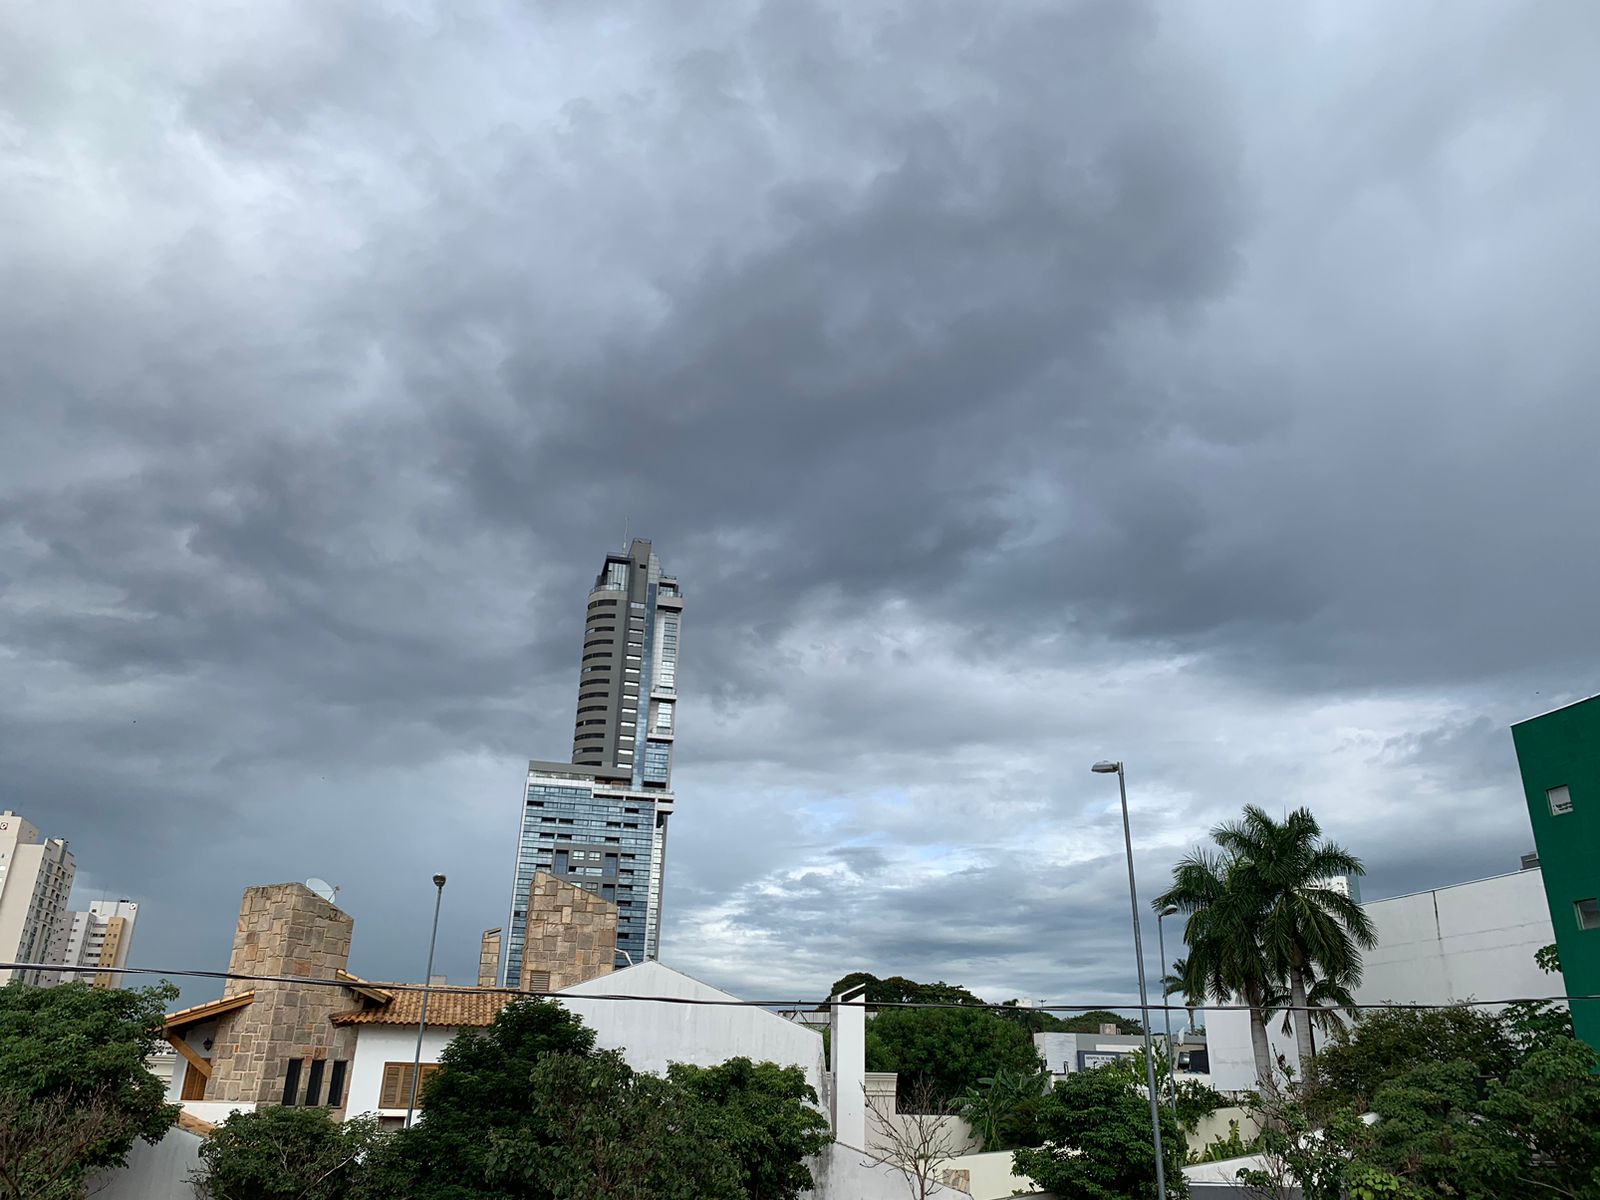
x=396, y=1091
x=194, y=1083
x=396, y=1085
x=538, y=981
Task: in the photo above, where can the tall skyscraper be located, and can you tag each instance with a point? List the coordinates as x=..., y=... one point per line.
x=99, y=936
x=35, y=880
x=600, y=821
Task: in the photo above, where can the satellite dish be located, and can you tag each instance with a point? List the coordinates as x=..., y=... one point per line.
x=322, y=888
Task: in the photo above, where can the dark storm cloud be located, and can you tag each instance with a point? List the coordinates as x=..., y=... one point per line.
x=1008, y=386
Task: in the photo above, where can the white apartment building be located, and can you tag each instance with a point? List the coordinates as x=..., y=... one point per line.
x=99, y=936
x=1467, y=941
x=35, y=880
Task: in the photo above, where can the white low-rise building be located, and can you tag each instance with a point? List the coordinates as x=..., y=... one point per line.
x=1468, y=941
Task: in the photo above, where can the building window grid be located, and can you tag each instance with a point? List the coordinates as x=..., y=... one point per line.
x=583, y=811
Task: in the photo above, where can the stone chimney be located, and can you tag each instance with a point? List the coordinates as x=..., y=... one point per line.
x=285, y=929
x=572, y=935
x=489, y=958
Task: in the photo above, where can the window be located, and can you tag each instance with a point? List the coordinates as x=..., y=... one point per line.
x=291, y=1082
x=396, y=1090
x=538, y=981
x=314, y=1083
x=597, y=654
x=336, y=1083
x=1588, y=913
x=594, y=604
x=1560, y=800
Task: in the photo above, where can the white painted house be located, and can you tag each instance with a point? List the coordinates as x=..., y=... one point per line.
x=1468, y=941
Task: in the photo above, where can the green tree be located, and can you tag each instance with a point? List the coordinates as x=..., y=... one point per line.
x=1003, y=1110
x=1264, y=921
x=765, y=1115
x=277, y=1153
x=1382, y=1044
x=1098, y=1143
x=597, y=1130
x=486, y=1088
x=1551, y=1105
x=1226, y=962
x=1034, y=1020
x=1306, y=927
x=950, y=1048
x=897, y=989
x=1304, y=1156
x=74, y=1091
x=528, y=1109
x=1090, y=1022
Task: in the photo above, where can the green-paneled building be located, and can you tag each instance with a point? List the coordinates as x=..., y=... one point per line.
x=1559, y=755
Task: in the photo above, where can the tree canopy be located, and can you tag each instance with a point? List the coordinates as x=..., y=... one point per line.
x=529, y=1109
x=1266, y=925
x=951, y=1048
x=1462, y=1103
x=897, y=989
x=1097, y=1141
x=74, y=1090
x=277, y=1153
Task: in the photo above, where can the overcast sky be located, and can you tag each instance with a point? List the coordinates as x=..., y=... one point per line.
x=1211, y=386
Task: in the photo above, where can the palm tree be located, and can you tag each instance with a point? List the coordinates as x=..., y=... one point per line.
x=1306, y=926
x=1324, y=998
x=1225, y=962
x=1172, y=984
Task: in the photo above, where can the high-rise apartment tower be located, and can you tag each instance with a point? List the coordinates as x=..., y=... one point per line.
x=99, y=936
x=35, y=880
x=600, y=821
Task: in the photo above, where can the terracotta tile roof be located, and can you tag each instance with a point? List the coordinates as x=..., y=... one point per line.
x=466, y=1007
x=362, y=987
x=204, y=1012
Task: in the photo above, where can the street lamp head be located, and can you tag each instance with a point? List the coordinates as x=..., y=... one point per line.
x=438, y=881
x=1170, y=910
x=1106, y=768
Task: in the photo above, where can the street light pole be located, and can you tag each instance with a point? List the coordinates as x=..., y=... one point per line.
x=1170, y=910
x=427, y=980
x=1107, y=768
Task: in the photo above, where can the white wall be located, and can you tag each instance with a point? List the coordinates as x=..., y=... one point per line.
x=652, y=1035
x=1475, y=941
x=379, y=1044
x=989, y=1176
x=158, y=1172
x=847, y=1173
x=1470, y=941
x=1060, y=1050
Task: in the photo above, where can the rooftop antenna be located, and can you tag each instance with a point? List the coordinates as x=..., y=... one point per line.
x=324, y=889
x=624, y=535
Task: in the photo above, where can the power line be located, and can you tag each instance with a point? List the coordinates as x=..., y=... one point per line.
x=791, y=1005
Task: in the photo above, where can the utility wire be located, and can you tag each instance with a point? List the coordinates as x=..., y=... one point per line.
x=790, y=1005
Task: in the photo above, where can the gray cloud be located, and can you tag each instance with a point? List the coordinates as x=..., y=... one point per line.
x=1009, y=388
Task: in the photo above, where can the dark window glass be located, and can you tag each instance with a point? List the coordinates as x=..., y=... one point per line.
x=291, y=1082
x=336, y=1082
x=314, y=1083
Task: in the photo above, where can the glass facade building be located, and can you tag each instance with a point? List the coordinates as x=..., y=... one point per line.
x=600, y=822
